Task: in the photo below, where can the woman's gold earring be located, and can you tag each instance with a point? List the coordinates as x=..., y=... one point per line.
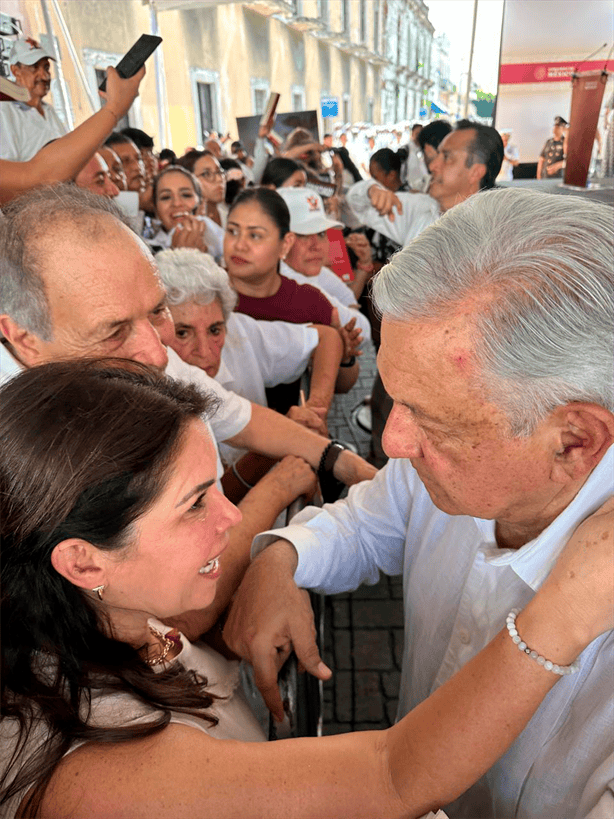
x=99, y=590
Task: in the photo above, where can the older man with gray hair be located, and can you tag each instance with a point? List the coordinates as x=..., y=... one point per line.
x=76, y=282
x=497, y=351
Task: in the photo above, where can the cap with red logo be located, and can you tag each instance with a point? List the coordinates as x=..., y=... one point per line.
x=307, y=214
x=27, y=52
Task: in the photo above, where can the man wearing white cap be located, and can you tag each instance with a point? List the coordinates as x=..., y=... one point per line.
x=25, y=127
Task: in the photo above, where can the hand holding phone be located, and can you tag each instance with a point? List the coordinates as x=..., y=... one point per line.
x=121, y=93
x=134, y=59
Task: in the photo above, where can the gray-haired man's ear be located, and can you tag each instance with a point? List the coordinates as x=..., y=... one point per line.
x=25, y=346
x=586, y=434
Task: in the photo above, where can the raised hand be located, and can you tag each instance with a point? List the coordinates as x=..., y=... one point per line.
x=385, y=201
x=121, y=93
x=190, y=233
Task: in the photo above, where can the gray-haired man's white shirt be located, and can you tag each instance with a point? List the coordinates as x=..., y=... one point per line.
x=233, y=415
x=9, y=366
x=458, y=588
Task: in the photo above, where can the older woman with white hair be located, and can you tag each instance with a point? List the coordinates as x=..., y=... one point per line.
x=244, y=354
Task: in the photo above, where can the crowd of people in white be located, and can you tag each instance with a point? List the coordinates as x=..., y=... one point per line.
x=174, y=330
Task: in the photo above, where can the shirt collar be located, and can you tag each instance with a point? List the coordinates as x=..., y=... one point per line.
x=9, y=365
x=534, y=561
x=23, y=106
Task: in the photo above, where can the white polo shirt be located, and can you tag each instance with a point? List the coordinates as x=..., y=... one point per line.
x=261, y=354
x=23, y=131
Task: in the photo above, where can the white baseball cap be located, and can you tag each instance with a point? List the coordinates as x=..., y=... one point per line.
x=27, y=54
x=307, y=214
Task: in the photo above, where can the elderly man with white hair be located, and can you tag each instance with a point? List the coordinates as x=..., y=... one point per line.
x=497, y=350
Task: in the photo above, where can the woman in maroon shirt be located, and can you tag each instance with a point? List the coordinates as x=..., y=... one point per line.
x=257, y=238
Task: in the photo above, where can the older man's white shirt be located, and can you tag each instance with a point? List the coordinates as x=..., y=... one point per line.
x=232, y=416
x=23, y=131
x=9, y=367
x=458, y=588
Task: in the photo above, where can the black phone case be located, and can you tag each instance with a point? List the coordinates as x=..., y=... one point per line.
x=132, y=60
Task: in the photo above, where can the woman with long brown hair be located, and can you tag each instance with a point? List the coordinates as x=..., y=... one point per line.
x=112, y=522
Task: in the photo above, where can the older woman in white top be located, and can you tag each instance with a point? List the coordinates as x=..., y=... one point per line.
x=244, y=354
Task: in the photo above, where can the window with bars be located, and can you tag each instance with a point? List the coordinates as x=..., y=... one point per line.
x=346, y=108
x=370, y=110
x=363, y=21
x=206, y=108
x=323, y=11
x=260, y=98
x=376, y=27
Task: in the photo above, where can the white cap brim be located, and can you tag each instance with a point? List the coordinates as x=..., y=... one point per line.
x=317, y=224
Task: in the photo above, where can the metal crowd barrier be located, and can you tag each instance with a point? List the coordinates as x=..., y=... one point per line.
x=302, y=694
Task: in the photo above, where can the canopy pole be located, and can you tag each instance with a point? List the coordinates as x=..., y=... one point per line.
x=58, y=66
x=163, y=135
x=93, y=102
x=475, y=17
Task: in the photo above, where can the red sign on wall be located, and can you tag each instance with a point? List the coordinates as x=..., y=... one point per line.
x=512, y=73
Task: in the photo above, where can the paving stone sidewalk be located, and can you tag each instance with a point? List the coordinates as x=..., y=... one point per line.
x=363, y=641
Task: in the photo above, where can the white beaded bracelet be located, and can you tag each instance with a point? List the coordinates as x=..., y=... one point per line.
x=561, y=670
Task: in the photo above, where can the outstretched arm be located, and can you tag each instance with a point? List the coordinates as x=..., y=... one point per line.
x=65, y=157
x=275, y=435
x=426, y=760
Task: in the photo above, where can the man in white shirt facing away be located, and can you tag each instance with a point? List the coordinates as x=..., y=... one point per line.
x=511, y=156
x=497, y=351
x=25, y=127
